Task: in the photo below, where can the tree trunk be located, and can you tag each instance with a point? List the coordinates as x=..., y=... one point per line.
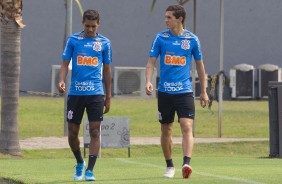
x=10, y=72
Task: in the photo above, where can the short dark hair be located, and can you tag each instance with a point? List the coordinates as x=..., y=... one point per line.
x=91, y=15
x=178, y=11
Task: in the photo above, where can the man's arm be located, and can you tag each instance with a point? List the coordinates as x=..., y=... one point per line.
x=107, y=75
x=204, y=99
x=62, y=75
x=149, y=73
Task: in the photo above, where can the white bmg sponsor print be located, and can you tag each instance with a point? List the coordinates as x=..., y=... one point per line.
x=84, y=86
x=173, y=86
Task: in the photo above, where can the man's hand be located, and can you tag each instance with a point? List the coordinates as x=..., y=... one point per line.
x=107, y=105
x=149, y=88
x=62, y=87
x=204, y=99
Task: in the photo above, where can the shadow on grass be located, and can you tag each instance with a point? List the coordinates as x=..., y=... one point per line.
x=104, y=180
x=9, y=181
x=64, y=182
x=270, y=157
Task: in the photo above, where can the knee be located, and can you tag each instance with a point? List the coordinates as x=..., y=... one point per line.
x=166, y=130
x=94, y=133
x=73, y=130
x=72, y=136
x=187, y=126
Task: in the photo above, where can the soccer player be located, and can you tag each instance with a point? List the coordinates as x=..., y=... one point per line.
x=176, y=46
x=91, y=55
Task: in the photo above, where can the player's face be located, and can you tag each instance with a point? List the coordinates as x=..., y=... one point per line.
x=90, y=28
x=171, y=21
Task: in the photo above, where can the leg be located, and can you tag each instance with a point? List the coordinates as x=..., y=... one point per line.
x=74, y=145
x=187, y=136
x=166, y=143
x=94, y=147
x=94, y=108
x=74, y=116
x=187, y=145
x=166, y=140
x=73, y=136
x=94, y=131
x=166, y=118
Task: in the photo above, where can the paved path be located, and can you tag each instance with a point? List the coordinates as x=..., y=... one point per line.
x=62, y=142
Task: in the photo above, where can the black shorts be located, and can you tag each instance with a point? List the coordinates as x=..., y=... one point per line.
x=183, y=104
x=94, y=105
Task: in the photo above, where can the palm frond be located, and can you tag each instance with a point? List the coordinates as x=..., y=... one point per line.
x=79, y=6
x=152, y=6
x=182, y=2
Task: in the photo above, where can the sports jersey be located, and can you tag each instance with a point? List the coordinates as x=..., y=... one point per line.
x=175, y=60
x=88, y=56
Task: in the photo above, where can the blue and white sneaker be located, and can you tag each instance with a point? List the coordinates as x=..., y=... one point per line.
x=79, y=171
x=89, y=175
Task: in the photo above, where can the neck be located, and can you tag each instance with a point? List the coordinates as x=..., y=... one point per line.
x=89, y=36
x=177, y=31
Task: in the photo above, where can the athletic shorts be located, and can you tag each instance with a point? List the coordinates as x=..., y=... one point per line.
x=94, y=105
x=183, y=104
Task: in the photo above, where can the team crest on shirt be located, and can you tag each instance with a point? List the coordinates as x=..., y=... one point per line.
x=185, y=44
x=97, y=46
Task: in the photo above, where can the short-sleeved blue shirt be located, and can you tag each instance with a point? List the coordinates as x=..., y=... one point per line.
x=175, y=60
x=88, y=56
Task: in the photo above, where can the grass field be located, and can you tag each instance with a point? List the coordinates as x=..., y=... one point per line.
x=216, y=163
x=219, y=163
x=149, y=170
x=44, y=117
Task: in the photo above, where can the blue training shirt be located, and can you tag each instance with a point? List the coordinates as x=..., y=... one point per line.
x=175, y=60
x=88, y=56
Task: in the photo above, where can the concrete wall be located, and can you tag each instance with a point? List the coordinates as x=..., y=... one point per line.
x=252, y=33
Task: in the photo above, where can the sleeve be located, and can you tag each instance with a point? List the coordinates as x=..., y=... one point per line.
x=196, y=51
x=107, y=53
x=68, y=50
x=155, y=47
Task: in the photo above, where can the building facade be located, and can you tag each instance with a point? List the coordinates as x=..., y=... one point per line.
x=252, y=33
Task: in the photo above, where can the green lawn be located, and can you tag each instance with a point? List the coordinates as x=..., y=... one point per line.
x=219, y=163
x=216, y=163
x=149, y=170
x=43, y=116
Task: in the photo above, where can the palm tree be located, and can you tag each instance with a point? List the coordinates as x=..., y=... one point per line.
x=11, y=26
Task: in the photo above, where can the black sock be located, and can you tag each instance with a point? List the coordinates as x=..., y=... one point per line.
x=169, y=163
x=77, y=155
x=91, y=162
x=186, y=160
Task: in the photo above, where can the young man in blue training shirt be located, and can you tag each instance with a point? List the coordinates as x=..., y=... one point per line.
x=176, y=46
x=91, y=55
